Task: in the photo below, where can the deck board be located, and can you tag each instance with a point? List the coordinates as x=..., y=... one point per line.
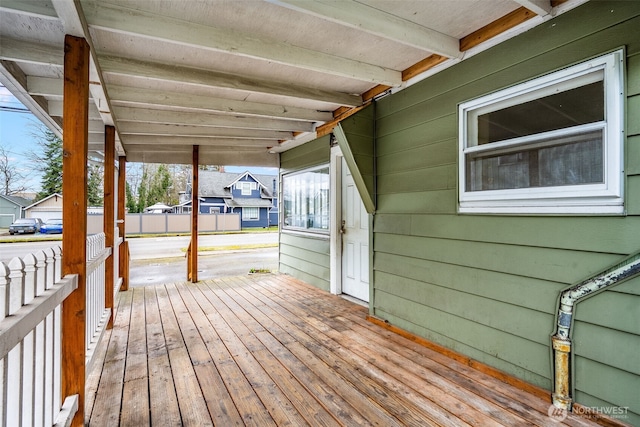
x=270, y=350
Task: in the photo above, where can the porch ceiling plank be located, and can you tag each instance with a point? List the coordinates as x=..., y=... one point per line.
x=55, y=109
x=121, y=95
x=75, y=23
x=133, y=128
x=31, y=8
x=110, y=17
x=14, y=79
x=34, y=53
x=159, y=141
x=45, y=86
x=208, y=156
x=185, y=75
x=145, y=115
x=379, y=23
x=539, y=7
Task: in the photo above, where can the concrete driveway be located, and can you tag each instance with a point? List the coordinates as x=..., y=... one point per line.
x=161, y=260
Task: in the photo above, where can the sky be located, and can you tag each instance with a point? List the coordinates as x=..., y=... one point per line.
x=17, y=127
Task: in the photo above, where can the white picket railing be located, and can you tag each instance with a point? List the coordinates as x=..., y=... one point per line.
x=96, y=313
x=31, y=294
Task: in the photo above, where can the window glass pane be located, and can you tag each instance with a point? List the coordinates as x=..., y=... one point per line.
x=306, y=200
x=573, y=107
x=572, y=160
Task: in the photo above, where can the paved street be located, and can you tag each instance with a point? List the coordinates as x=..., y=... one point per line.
x=157, y=260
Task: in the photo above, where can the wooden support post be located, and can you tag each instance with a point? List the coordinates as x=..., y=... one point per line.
x=109, y=210
x=195, y=208
x=123, y=268
x=74, y=216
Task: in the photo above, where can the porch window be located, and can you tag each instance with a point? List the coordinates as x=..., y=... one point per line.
x=250, y=214
x=550, y=145
x=306, y=200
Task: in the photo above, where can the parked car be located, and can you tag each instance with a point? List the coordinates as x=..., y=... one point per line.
x=25, y=225
x=51, y=226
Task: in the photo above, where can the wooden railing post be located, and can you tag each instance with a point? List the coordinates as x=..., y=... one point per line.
x=74, y=216
x=193, y=260
x=124, y=264
x=108, y=210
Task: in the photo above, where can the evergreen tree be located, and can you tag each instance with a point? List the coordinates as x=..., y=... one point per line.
x=49, y=162
x=131, y=200
x=95, y=189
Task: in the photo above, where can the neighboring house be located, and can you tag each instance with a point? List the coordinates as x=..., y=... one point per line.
x=488, y=188
x=11, y=208
x=48, y=208
x=254, y=197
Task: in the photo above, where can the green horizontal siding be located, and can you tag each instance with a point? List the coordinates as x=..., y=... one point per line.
x=600, y=385
x=305, y=256
x=487, y=286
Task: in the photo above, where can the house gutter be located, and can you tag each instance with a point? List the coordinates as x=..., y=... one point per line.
x=561, y=340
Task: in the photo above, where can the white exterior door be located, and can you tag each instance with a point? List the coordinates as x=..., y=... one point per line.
x=355, y=240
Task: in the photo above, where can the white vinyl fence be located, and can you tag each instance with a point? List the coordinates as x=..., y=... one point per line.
x=31, y=294
x=97, y=314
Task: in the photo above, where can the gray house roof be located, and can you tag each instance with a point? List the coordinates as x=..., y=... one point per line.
x=22, y=202
x=218, y=184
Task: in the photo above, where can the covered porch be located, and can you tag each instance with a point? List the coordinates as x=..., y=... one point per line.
x=269, y=349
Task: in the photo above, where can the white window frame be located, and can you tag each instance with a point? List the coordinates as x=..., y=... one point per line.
x=318, y=231
x=247, y=217
x=246, y=187
x=601, y=198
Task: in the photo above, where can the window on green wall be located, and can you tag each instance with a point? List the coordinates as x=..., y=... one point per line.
x=550, y=145
x=306, y=200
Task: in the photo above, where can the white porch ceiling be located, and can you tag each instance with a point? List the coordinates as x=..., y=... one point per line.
x=241, y=79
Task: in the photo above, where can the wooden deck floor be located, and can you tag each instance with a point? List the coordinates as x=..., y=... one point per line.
x=269, y=350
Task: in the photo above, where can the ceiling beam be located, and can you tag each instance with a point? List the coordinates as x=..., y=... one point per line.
x=32, y=8
x=55, y=110
x=145, y=115
x=33, y=53
x=377, y=22
x=153, y=142
x=132, y=128
x=75, y=23
x=539, y=7
x=208, y=156
x=135, y=22
x=184, y=75
x=136, y=96
x=45, y=86
x=12, y=77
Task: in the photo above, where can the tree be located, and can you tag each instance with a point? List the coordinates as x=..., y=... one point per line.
x=131, y=200
x=48, y=161
x=153, y=186
x=95, y=188
x=9, y=175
